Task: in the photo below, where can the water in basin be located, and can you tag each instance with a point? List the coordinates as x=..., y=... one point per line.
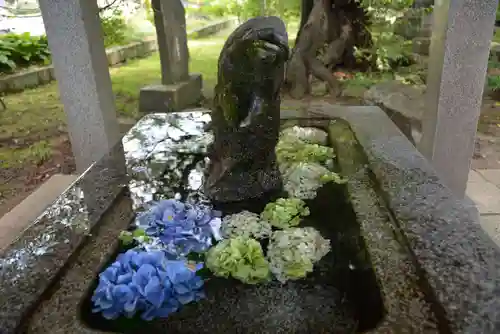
x=166, y=158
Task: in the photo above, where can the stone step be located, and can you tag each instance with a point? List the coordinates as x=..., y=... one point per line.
x=13, y=223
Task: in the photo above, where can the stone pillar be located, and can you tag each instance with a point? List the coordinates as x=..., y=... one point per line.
x=462, y=32
x=178, y=88
x=75, y=39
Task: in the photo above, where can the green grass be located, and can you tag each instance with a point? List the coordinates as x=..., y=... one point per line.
x=36, y=154
x=38, y=111
x=38, y=114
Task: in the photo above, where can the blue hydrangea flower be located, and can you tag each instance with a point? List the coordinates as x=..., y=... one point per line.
x=146, y=283
x=182, y=228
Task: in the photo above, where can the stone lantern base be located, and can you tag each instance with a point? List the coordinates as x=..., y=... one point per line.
x=174, y=97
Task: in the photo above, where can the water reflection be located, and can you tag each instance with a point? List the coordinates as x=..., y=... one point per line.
x=165, y=156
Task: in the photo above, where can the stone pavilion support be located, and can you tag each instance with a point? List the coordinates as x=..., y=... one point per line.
x=462, y=32
x=76, y=42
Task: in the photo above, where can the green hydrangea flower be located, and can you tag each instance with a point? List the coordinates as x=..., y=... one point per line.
x=306, y=134
x=290, y=150
x=292, y=253
x=245, y=224
x=303, y=179
x=241, y=258
x=285, y=212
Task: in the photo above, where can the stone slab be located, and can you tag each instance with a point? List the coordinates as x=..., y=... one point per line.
x=491, y=224
x=169, y=98
x=32, y=263
x=457, y=260
x=404, y=104
x=484, y=193
x=491, y=175
x=461, y=41
x=26, y=212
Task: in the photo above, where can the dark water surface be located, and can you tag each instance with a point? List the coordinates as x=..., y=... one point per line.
x=340, y=296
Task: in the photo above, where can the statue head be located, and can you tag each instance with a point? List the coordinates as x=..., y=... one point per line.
x=251, y=66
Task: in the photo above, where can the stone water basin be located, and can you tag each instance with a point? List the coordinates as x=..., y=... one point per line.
x=340, y=296
x=379, y=277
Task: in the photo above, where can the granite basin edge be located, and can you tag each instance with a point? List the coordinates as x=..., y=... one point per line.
x=405, y=304
x=31, y=265
x=455, y=257
x=467, y=300
x=61, y=313
x=63, y=308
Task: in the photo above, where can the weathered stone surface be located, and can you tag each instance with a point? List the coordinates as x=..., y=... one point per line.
x=491, y=224
x=246, y=116
x=26, y=212
x=461, y=41
x=407, y=310
x=173, y=97
x=398, y=97
x=354, y=91
x=426, y=247
x=404, y=104
x=29, y=266
x=485, y=194
x=74, y=35
x=456, y=258
x=170, y=23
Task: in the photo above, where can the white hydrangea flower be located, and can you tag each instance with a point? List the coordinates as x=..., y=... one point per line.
x=245, y=224
x=307, y=134
x=302, y=180
x=292, y=253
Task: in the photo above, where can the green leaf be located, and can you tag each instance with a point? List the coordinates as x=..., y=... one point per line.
x=126, y=237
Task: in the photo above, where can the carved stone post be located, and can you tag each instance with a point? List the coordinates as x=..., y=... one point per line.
x=178, y=88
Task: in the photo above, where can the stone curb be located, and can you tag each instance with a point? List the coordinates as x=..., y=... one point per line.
x=31, y=78
x=25, y=213
x=212, y=28
x=42, y=75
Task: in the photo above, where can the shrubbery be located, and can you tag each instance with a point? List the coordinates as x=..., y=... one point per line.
x=23, y=50
x=114, y=28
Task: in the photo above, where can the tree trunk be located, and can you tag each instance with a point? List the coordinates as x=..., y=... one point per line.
x=306, y=7
x=327, y=39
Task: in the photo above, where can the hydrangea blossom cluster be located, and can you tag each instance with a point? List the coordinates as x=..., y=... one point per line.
x=291, y=150
x=146, y=283
x=241, y=258
x=245, y=224
x=292, y=253
x=182, y=228
x=302, y=180
x=285, y=212
x=306, y=134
